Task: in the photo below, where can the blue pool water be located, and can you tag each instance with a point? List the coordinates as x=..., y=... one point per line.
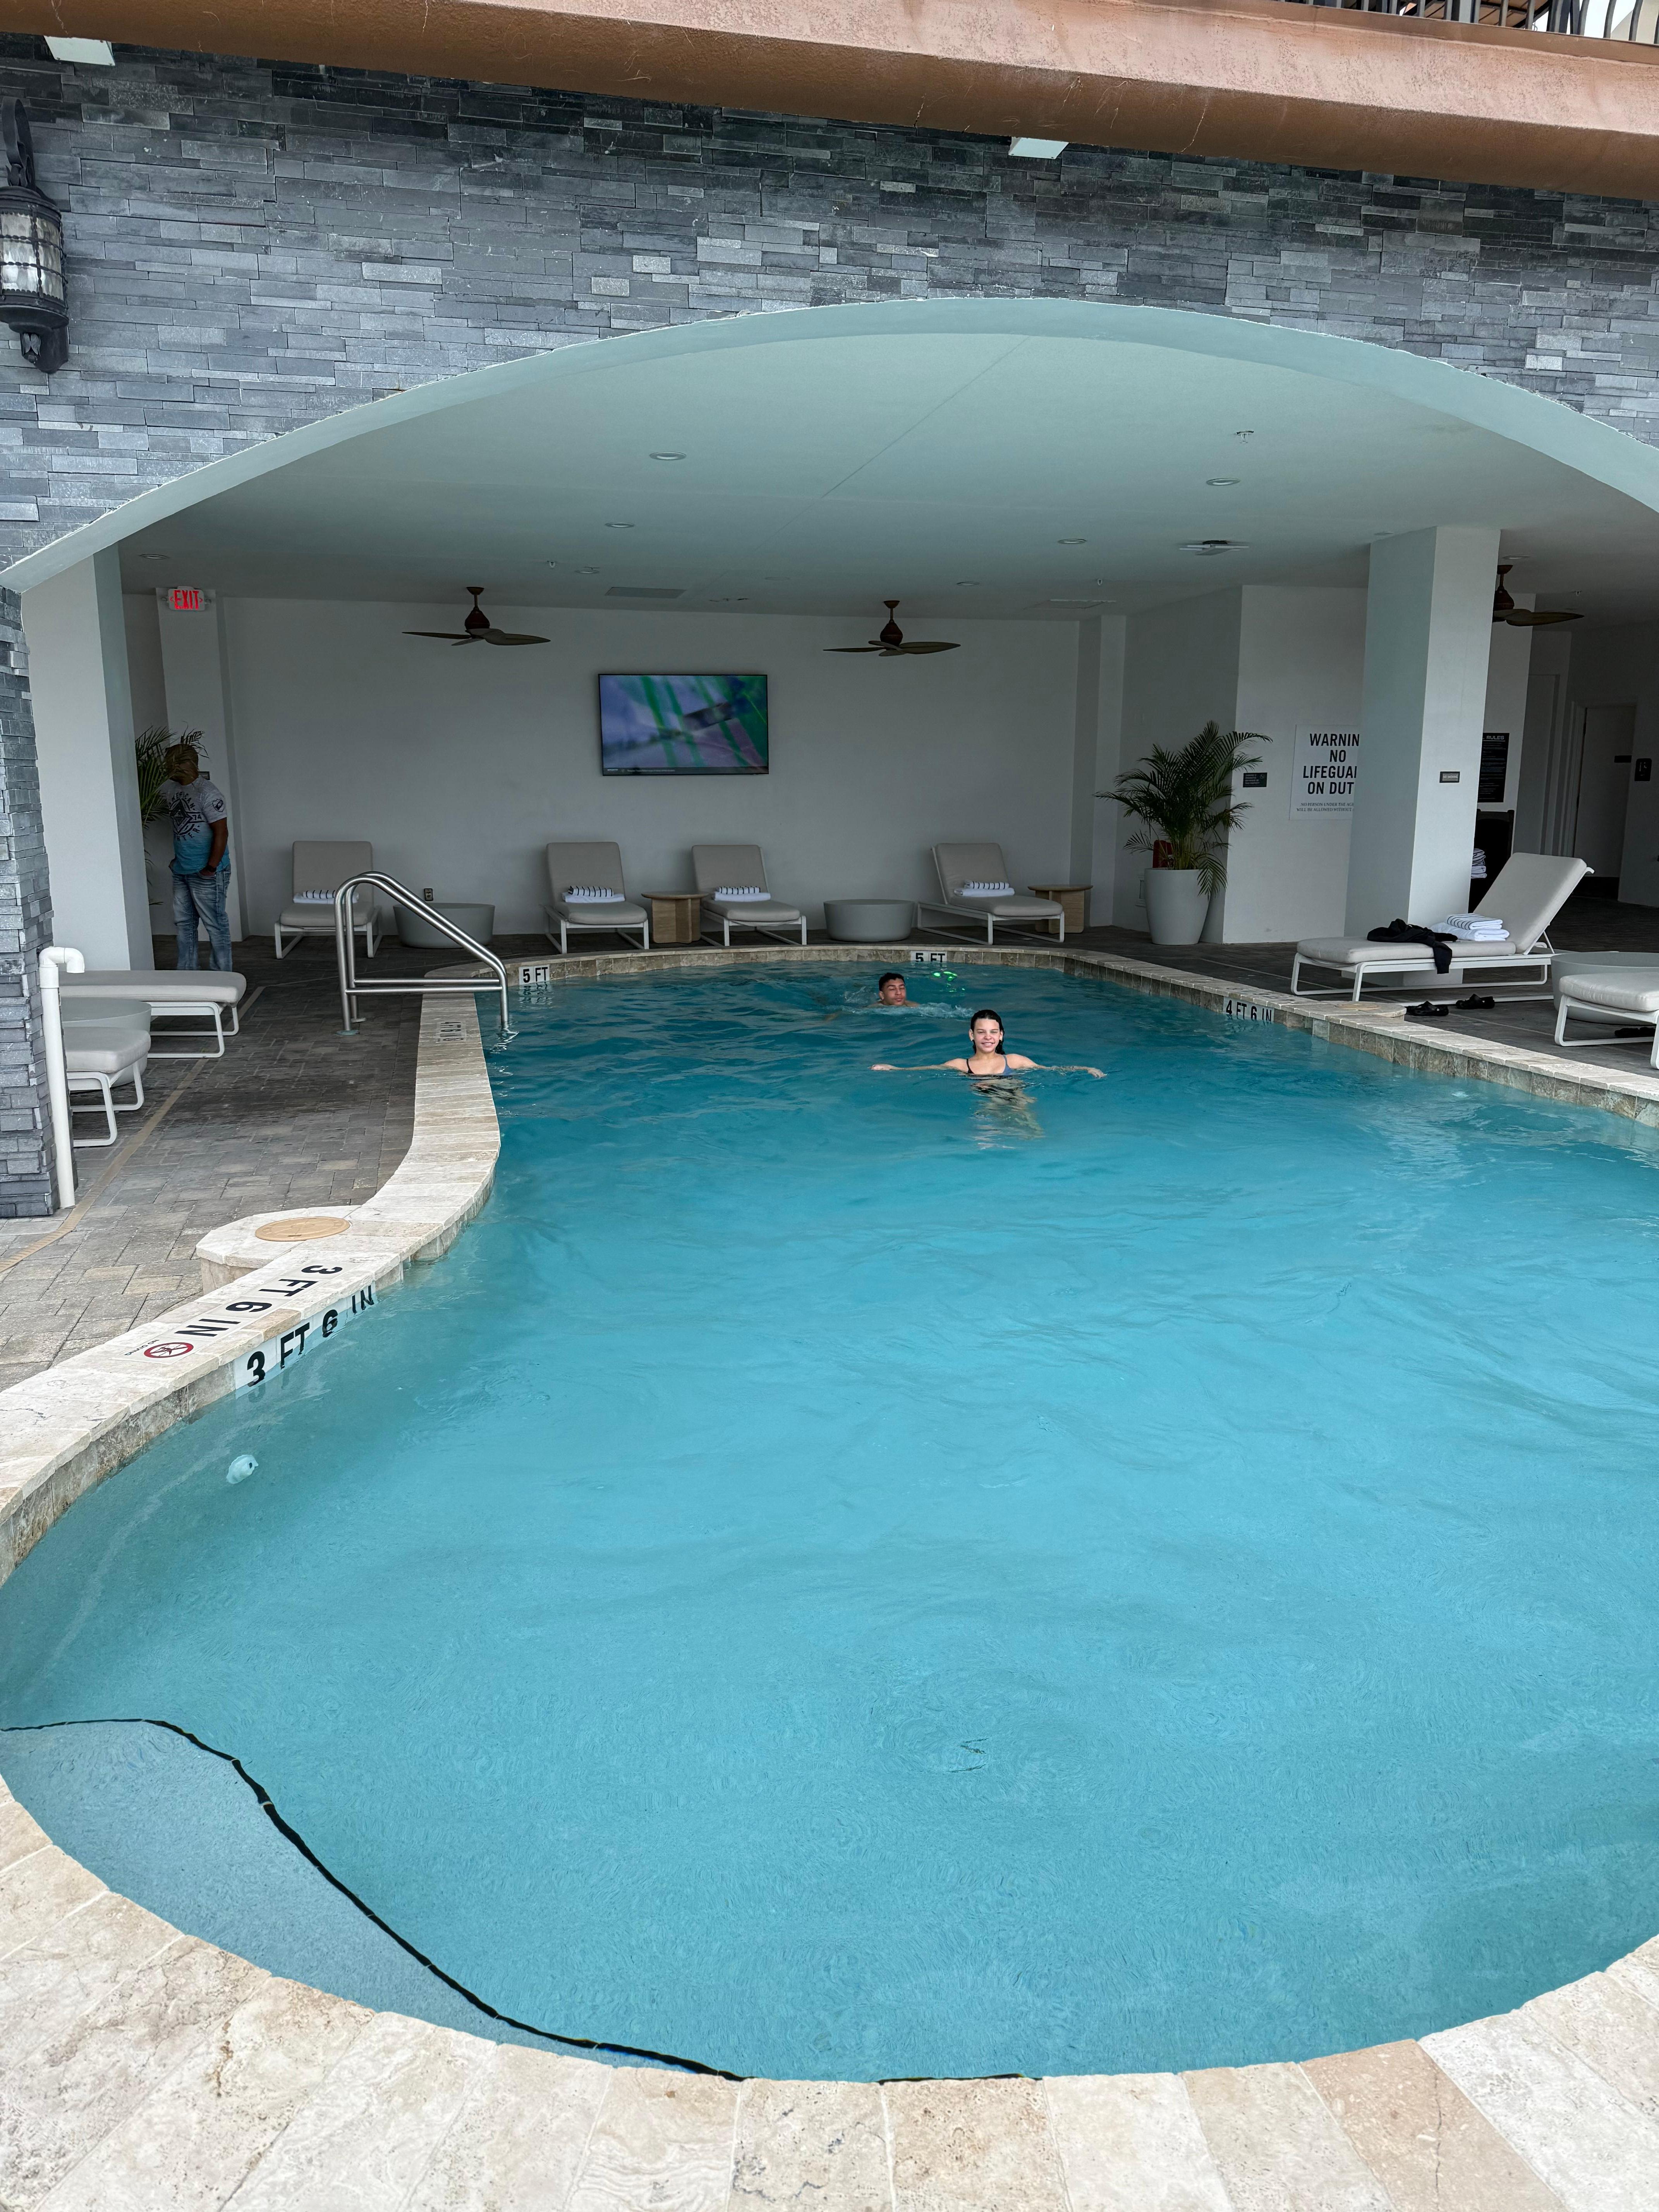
x=837, y=1574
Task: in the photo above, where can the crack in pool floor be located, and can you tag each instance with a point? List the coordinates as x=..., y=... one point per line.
x=292, y=1836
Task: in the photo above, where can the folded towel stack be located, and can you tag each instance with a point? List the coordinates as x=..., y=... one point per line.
x=984, y=890
x=740, y=892
x=1473, y=928
x=591, y=894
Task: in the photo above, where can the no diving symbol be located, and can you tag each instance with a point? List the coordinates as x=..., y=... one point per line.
x=168, y=1350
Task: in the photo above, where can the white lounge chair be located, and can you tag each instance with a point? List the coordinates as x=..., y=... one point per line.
x=321, y=865
x=591, y=867
x=1526, y=894
x=957, y=865
x=212, y=994
x=740, y=867
x=105, y=1041
x=1627, y=996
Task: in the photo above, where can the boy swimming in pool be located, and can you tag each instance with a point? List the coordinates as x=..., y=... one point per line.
x=989, y=1056
x=891, y=991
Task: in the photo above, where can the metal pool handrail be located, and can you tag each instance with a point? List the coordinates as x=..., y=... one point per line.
x=345, y=951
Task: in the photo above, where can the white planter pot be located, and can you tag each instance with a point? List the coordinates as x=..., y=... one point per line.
x=1177, y=905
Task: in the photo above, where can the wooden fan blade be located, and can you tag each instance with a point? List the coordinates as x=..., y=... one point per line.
x=856, y=648
x=460, y=637
x=924, y=644
x=1529, y=618
x=511, y=637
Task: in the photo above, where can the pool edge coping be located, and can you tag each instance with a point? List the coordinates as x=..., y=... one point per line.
x=93, y=1414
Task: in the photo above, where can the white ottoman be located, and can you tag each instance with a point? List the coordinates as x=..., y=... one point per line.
x=1621, y=996
x=869, y=921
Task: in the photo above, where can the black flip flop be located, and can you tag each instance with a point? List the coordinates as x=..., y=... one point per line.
x=1427, y=1011
x=1476, y=1003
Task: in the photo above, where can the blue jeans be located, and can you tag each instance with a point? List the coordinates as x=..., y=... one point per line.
x=203, y=896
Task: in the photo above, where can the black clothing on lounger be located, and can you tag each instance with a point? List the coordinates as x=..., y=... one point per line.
x=1407, y=932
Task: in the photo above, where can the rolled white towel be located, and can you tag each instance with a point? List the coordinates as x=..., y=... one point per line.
x=314, y=898
x=740, y=892
x=1473, y=929
x=986, y=890
x=591, y=894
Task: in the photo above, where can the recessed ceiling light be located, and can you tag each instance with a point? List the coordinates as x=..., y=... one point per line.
x=1243, y=434
x=1071, y=541
x=741, y=601
x=1215, y=545
x=668, y=457
x=968, y=584
x=583, y=572
x=1074, y=603
x=1221, y=480
x=619, y=526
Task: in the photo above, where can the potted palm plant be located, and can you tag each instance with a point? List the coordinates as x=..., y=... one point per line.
x=1185, y=800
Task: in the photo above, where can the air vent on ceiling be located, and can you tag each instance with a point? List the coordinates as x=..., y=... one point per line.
x=645, y=591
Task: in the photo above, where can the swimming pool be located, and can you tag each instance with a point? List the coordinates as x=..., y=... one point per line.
x=839, y=1575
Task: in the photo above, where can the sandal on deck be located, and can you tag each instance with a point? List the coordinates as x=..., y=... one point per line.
x=1427, y=1011
x=1476, y=1003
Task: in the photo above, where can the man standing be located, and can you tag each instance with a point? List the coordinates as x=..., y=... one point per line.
x=201, y=863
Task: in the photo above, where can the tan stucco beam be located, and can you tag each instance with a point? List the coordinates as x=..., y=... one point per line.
x=1256, y=79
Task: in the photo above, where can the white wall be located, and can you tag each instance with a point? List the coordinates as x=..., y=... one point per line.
x=1261, y=657
x=1180, y=671
x=76, y=630
x=1302, y=653
x=1509, y=673
x=460, y=764
x=1428, y=658
x=1608, y=667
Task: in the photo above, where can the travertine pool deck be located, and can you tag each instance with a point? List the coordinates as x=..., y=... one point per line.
x=143, y=2068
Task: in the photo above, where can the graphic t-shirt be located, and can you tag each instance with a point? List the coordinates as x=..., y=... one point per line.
x=194, y=807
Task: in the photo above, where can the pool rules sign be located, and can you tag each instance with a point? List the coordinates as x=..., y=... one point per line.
x=1322, y=770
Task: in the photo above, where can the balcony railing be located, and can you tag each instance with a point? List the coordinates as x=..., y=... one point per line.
x=1635, y=22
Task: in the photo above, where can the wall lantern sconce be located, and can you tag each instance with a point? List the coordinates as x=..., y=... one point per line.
x=31, y=252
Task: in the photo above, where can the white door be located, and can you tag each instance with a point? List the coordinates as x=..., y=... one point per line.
x=1604, y=787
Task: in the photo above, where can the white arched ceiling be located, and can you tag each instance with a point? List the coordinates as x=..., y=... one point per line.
x=835, y=455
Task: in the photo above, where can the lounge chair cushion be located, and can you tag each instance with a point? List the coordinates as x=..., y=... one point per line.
x=755, y=914
x=153, y=987
x=1021, y=908
x=1626, y=990
x=618, y=914
x=105, y=1047
x=1348, y=951
x=320, y=919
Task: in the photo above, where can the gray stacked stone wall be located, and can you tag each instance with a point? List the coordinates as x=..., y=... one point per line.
x=254, y=244
x=24, y=927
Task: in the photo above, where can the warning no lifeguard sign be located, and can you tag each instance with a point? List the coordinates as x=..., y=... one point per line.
x=1322, y=772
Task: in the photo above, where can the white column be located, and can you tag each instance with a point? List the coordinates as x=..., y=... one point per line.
x=1428, y=642
x=199, y=698
x=77, y=636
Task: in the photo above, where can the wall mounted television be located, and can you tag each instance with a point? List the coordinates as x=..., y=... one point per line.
x=683, y=726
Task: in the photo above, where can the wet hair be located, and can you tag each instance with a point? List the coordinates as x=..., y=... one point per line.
x=989, y=1014
x=891, y=976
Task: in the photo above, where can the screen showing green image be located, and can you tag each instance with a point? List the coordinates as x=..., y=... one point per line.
x=683, y=724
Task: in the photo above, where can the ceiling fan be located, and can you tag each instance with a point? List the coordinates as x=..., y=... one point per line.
x=479, y=630
x=892, y=643
x=1504, y=610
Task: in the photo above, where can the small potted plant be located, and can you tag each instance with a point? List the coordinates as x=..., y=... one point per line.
x=1185, y=799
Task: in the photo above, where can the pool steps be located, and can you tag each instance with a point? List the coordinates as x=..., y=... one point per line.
x=141, y=2069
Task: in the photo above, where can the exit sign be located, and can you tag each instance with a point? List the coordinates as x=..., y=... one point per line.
x=187, y=600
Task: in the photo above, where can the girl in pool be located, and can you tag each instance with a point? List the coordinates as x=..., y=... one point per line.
x=989, y=1056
